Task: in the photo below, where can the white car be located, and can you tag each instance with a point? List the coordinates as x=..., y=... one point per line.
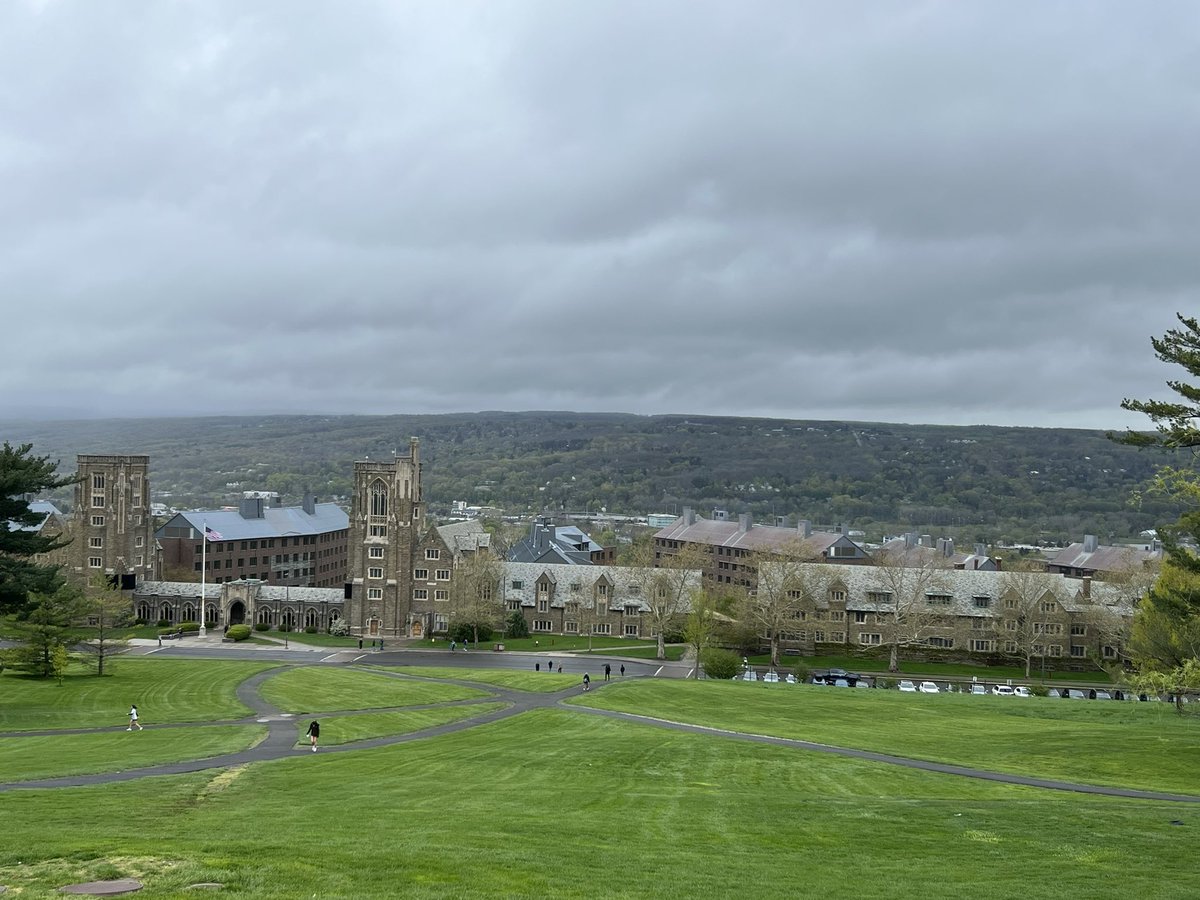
x=1004, y=690
x=908, y=687
x=1021, y=691
x=771, y=677
x=928, y=687
x=978, y=689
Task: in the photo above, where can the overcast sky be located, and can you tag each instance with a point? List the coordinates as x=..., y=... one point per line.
x=939, y=212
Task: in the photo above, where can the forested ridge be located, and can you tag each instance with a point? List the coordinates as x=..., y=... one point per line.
x=969, y=482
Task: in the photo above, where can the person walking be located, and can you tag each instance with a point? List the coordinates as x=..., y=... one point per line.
x=133, y=719
x=453, y=644
x=622, y=670
x=314, y=732
x=587, y=682
x=607, y=672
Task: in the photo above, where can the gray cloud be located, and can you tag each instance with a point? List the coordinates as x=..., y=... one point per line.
x=924, y=212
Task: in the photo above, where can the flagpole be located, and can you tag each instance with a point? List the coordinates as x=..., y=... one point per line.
x=203, y=572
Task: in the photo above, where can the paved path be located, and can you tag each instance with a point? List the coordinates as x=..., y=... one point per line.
x=281, y=740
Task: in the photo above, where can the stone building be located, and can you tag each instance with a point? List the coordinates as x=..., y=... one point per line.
x=110, y=526
x=247, y=601
x=387, y=522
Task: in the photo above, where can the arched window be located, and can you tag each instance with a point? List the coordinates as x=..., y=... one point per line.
x=379, y=499
x=189, y=613
x=143, y=611
x=288, y=618
x=334, y=615
x=264, y=616
x=311, y=619
x=165, y=613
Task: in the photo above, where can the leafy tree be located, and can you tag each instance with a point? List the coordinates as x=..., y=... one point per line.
x=721, y=664
x=701, y=627
x=109, y=609
x=1165, y=639
x=517, y=626
x=475, y=596
x=46, y=630
x=22, y=476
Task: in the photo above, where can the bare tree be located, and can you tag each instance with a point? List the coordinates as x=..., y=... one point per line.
x=666, y=590
x=786, y=585
x=901, y=582
x=1029, y=600
x=701, y=626
x=475, y=592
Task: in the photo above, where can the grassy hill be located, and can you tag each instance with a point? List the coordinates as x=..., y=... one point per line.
x=968, y=482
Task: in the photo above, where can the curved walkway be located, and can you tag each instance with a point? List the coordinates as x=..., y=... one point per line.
x=281, y=742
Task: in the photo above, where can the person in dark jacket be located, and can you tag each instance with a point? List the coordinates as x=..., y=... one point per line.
x=314, y=732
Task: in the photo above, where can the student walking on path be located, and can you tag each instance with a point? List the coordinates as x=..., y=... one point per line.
x=133, y=719
x=587, y=682
x=314, y=732
x=607, y=672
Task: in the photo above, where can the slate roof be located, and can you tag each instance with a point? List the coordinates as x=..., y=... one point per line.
x=758, y=537
x=563, y=576
x=279, y=521
x=465, y=537
x=1103, y=558
x=552, y=544
x=45, y=509
x=272, y=592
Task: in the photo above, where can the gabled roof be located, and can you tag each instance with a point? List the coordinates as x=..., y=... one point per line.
x=45, y=509
x=280, y=521
x=756, y=537
x=624, y=580
x=468, y=536
x=1102, y=558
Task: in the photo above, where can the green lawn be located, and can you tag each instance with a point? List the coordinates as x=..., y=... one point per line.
x=348, y=729
x=326, y=688
x=31, y=757
x=1139, y=745
x=557, y=803
x=165, y=690
x=508, y=678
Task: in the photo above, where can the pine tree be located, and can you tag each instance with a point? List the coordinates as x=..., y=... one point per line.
x=23, y=476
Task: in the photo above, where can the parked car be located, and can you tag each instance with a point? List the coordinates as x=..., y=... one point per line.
x=790, y=679
x=1074, y=694
x=978, y=689
x=908, y=687
x=1021, y=691
x=841, y=682
x=1102, y=695
x=863, y=683
x=838, y=673
x=749, y=675
x=1003, y=690
x=928, y=687
x=771, y=677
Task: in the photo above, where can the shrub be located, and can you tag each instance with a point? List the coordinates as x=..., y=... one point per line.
x=238, y=632
x=465, y=631
x=721, y=664
x=310, y=629
x=163, y=623
x=261, y=626
x=1039, y=690
x=517, y=626
x=802, y=672
x=340, y=627
x=188, y=627
x=284, y=626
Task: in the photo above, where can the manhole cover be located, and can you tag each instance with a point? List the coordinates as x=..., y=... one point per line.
x=103, y=888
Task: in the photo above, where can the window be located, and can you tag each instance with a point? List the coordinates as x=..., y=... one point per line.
x=1109, y=652
x=1010, y=603
x=576, y=587
x=514, y=605
x=879, y=596
x=631, y=631
x=441, y=622
x=1049, y=606
x=860, y=617
x=1010, y=646
x=518, y=585
x=981, y=646
x=981, y=602
x=870, y=638
x=95, y=562
x=1078, y=650
x=420, y=594
x=375, y=572
x=571, y=627
x=374, y=593
x=98, y=521
x=543, y=625
x=433, y=553
x=979, y=624
x=442, y=575
x=98, y=501
x=543, y=606
x=421, y=574
x=1010, y=624
x=601, y=628
x=1078, y=630
x=98, y=481
x=379, y=499
x=96, y=542
x=843, y=551
x=837, y=637
x=1056, y=649
x=938, y=599
x=944, y=642
x=377, y=531
x=375, y=552
x=819, y=636
x=837, y=615
x=837, y=595
x=441, y=595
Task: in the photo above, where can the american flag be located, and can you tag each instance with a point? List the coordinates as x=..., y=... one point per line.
x=212, y=535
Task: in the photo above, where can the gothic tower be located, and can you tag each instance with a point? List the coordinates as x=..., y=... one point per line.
x=111, y=523
x=386, y=522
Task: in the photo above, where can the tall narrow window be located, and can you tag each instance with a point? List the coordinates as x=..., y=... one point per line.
x=379, y=499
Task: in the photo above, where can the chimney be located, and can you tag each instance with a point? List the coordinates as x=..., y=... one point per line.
x=980, y=550
x=744, y=522
x=927, y=540
x=781, y=522
x=1091, y=543
x=999, y=561
x=689, y=516
x=310, y=504
x=720, y=515
x=251, y=508
x=805, y=528
x=949, y=551
x=1087, y=587
x=910, y=540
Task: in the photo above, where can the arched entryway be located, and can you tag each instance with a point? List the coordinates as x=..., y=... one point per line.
x=237, y=613
x=373, y=627
x=416, y=629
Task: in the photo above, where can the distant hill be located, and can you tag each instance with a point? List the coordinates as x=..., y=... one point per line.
x=968, y=482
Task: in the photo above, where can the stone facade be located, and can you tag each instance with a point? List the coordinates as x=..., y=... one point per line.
x=387, y=521
x=111, y=526
x=247, y=602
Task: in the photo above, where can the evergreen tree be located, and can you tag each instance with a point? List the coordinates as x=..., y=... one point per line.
x=23, y=476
